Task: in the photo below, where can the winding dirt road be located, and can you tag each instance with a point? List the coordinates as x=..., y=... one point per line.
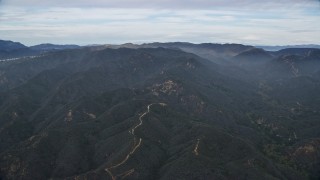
x=294, y=70
x=134, y=148
x=195, y=150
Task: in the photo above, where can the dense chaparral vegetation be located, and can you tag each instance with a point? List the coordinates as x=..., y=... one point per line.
x=159, y=111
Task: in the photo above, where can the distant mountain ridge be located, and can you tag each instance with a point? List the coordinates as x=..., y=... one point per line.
x=207, y=50
x=296, y=51
x=49, y=47
x=254, y=54
x=10, y=45
x=10, y=49
x=277, y=48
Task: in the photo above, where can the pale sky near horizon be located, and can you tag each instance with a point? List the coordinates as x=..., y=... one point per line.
x=273, y=22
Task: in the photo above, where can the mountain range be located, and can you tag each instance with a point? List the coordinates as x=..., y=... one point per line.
x=159, y=111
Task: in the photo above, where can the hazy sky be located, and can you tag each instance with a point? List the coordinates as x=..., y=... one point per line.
x=270, y=22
